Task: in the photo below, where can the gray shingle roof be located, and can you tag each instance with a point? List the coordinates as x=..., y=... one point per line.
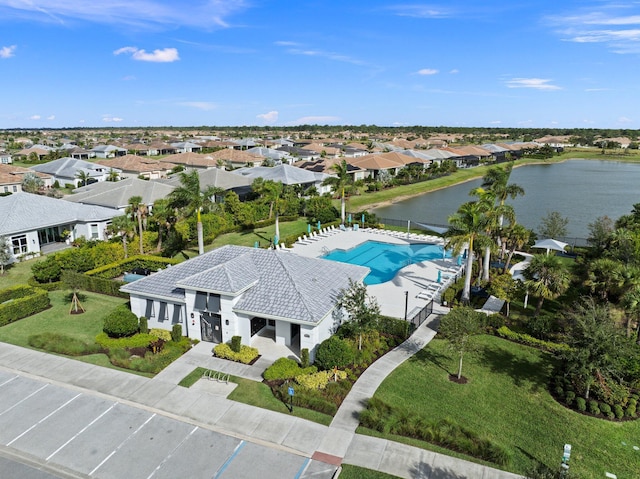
x=22, y=212
x=276, y=284
x=287, y=174
x=116, y=194
x=69, y=167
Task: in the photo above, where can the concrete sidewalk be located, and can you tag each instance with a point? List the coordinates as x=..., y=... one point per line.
x=197, y=405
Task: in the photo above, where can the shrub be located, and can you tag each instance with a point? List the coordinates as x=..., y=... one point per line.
x=160, y=334
x=120, y=322
x=245, y=356
x=319, y=380
x=63, y=344
x=304, y=358
x=618, y=411
x=605, y=408
x=505, y=332
x=236, y=343
x=581, y=404
x=26, y=302
x=594, y=407
x=569, y=397
x=176, y=333
x=630, y=411
x=143, y=325
x=334, y=352
x=495, y=321
x=286, y=368
x=129, y=342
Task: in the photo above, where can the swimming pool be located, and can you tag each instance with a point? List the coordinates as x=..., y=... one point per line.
x=385, y=259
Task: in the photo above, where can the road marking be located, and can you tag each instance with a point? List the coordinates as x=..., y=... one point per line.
x=231, y=458
x=80, y=432
x=9, y=380
x=24, y=399
x=122, y=444
x=303, y=468
x=171, y=453
x=44, y=419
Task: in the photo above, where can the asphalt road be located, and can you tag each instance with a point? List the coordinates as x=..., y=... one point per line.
x=69, y=433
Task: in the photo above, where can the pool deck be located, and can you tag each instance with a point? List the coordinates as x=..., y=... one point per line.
x=409, y=282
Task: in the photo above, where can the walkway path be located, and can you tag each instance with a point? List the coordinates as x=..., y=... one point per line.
x=335, y=444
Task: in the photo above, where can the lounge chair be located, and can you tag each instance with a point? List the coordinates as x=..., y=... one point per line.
x=425, y=295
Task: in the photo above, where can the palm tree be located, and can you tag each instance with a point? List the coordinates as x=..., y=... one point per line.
x=271, y=191
x=122, y=226
x=497, y=181
x=546, y=278
x=83, y=176
x=139, y=210
x=465, y=226
x=631, y=303
x=191, y=199
x=516, y=236
x=340, y=182
x=162, y=216
x=113, y=175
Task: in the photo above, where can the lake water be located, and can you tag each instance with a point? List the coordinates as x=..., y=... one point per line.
x=581, y=190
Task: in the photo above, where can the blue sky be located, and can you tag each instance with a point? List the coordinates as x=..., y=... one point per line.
x=523, y=63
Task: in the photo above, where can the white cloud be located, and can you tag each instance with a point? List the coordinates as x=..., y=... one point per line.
x=200, y=105
x=427, y=71
x=285, y=43
x=51, y=117
x=421, y=11
x=612, y=26
x=166, y=55
x=316, y=120
x=597, y=89
x=535, y=83
x=129, y=78
x=111, y=119
x=137, y=13
x=624, y=119
x=7, y=52
x=495, y=122
x=454, y=71
x=35, y=117
x=270, y=117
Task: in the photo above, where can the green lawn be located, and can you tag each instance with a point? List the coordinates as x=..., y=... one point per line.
x=259, y=394
x=57, y=319
x=355, y=472
x=507, y=400
x=18, y=273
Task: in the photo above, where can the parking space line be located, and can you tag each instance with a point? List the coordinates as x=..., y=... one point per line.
x=44, y=419
x=24, y=399
x=9, y=380
x=80, y=432
x=228, y=461
x=171, y=453
x=303, y=468
x=122, y=444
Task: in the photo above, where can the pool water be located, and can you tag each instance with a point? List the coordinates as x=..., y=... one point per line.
x=385, y=259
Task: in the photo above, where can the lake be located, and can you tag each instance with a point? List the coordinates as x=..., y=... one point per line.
x=581, y=190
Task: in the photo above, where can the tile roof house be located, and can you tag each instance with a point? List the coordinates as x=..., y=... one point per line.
x=237, y=158
x=116, y=194
x=240, y=291
x=193, y=160
x=107, y=151
x=11, y=177
x=132, y=165
x=34, y=223
x=66, y=171
x=217, y=178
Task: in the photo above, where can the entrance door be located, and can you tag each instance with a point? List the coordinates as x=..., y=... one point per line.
x=211, y=327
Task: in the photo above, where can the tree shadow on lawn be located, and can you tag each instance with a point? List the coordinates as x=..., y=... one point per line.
x=533, y=375
x=428, y=355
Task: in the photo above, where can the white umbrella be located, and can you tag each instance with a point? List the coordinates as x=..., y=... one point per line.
x=549, y=244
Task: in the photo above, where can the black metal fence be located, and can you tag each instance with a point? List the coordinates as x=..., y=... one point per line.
x=422, y=315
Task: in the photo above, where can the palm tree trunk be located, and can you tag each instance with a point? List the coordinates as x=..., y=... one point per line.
x=140, y=232
x=159, y=246
x=278, y=226
x=124, y=246
x=508, y=262
x=200, y=238
x=460, y=367
x=466, y=291
x=486, y=263
x=343, y=207
x=539, y=306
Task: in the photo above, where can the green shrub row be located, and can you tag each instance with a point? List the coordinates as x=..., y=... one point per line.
x=395, y=327
x=286, y=368
x=505, y=332
x=319, y=380
x=131, y=342
x=24, y=306
x=151, y=363
x=91, y=283
x=617, y=408
x=53, y=286
x=15, y=292
x=445, y=433
x=246, y=355
x=117, y=268
x=63, y=344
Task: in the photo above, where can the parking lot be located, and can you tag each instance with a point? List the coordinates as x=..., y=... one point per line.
x=102, y=438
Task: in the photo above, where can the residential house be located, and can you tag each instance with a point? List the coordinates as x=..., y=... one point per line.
x=11, y=177
x=326, y=165
x=240, y=291
x=193, y=160
x=287, y=175
x=67, y=171
x=187, y=147
x=5, y=158
x=35, y=224
x=218, y=178
x=139, y=166
x=377, y=163
x=237, y=158
x=116, y=195
x=107, y=151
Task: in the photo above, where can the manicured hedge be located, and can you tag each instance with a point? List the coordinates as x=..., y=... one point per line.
x=117, y=268
x=286, y=368
x=120, y=322
x=131, y=342
x=13, y=309
x=505, y=332
x=246, y=355
x=94, y=284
